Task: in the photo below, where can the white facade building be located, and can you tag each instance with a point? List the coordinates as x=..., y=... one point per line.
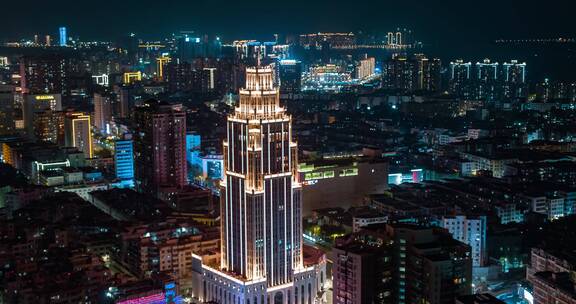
x=471, y=231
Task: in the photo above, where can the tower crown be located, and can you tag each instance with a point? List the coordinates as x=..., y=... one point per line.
x=259, y=99
x=260, y=79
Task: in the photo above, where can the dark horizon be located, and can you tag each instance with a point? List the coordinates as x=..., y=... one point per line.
x=447, y=23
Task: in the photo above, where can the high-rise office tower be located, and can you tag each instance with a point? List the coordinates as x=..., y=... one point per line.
x=290, y=76
x=160, y=146
x=78, y=132
x=274, y=182
x=102, y=112
x=63, y=36
x=261, y=242
x=7, y=125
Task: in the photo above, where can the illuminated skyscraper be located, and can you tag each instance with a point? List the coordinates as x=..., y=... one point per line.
x=132, y=77
x=398, y=74
x=514, y=79
x=398, y=38
x=63, y=36
x=460, y=81
x=415, y=73
x=160, y=65
x=365, y=68
x=486, y=80
x=429, y=73
x=261, y=246
x=78, y=133
x=208, y=79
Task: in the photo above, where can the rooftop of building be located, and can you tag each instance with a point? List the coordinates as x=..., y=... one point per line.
x=358, y=248
x=523, y=155
x=482, y=298
x=392, y=202
x=557, y=238
x=335, y=162
x=155, y=105
x=40, y=151
x=569, y=164
x=560, y=281
x=364, y=212
x=133, y=204
x=312, y=255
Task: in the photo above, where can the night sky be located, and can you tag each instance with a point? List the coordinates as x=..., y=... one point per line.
x=436, y=21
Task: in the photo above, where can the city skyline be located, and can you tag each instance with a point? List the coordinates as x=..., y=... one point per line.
x=321, y=152
x=479, y=20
